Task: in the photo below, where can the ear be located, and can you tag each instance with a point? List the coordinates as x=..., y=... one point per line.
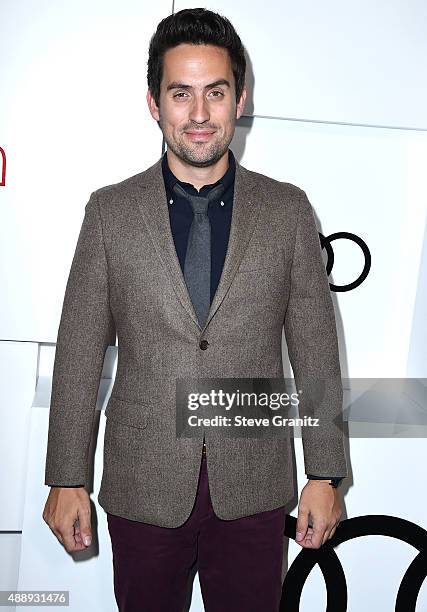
x=241, y=103
x=152, y=106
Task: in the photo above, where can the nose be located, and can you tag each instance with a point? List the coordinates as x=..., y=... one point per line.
x=199, y=111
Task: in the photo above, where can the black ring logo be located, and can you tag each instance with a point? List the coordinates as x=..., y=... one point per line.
x=3, y=167
x=326, y=244
x=331, y=568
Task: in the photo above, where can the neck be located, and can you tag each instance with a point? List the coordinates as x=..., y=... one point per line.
x=198, y=177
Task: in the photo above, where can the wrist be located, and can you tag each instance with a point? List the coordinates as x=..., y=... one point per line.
x=320, y=480
x=333, y=482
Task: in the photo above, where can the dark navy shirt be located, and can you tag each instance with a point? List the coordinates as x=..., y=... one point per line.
x=219, y=214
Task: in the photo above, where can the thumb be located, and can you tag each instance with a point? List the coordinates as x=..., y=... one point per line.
x=302, y=524
x=85, y=526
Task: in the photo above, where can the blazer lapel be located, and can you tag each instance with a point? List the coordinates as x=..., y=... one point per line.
x=246, y=208
x=151, y=197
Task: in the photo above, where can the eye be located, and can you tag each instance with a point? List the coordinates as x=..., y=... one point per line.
x=182, y=94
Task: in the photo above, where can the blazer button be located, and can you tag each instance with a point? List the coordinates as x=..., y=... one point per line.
x=204, y=344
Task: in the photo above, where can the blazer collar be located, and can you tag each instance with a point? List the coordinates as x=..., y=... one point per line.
x=152, y=201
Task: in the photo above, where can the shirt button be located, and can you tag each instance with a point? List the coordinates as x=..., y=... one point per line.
x=204, y=344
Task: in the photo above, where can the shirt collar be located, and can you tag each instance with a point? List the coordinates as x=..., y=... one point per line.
x=227, y=179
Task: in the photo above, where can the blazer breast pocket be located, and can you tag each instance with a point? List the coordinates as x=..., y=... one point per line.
x=127, y=412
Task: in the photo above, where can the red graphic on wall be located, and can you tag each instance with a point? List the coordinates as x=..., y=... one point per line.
x=3, y=168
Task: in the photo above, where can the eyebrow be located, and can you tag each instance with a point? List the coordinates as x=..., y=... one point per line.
x=176, y=85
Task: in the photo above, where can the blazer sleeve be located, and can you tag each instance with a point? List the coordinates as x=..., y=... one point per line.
x=311, y=337
x=86, y=329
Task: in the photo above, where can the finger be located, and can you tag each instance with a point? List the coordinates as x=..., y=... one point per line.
x=69, y=541
x=334, y=528
x=85, y=528
x=77, y=534
x=326, y=536
x=306, y=542
x=55, y=530
x=318, y=534
x=302, y=524
x=57, y=534
x=307, y=537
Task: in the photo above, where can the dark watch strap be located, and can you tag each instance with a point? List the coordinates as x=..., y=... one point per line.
x=335, y=480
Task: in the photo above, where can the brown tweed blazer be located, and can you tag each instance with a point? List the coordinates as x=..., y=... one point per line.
x=125, y=278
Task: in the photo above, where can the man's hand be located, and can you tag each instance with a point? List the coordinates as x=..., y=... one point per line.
x=65, y=506
x=323, y=503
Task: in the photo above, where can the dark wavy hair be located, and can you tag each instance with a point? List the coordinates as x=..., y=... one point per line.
x=196, y=26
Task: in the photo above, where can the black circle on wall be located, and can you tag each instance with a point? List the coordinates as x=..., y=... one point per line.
x=331, y=568
x=325, y=242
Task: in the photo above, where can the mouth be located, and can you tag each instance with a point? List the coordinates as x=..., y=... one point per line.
x=199, y=135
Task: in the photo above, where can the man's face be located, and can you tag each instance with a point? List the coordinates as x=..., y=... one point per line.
x=198, y=120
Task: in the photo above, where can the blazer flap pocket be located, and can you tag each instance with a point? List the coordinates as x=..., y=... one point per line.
x=127, y=412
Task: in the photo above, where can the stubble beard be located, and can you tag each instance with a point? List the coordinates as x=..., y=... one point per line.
x=198, y=154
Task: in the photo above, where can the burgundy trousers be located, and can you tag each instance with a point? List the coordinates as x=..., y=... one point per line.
x=239, y=561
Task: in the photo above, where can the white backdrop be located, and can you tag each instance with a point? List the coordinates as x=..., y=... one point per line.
x=337, y=105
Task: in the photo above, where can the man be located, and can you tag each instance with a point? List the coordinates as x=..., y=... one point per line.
x=197, y=263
